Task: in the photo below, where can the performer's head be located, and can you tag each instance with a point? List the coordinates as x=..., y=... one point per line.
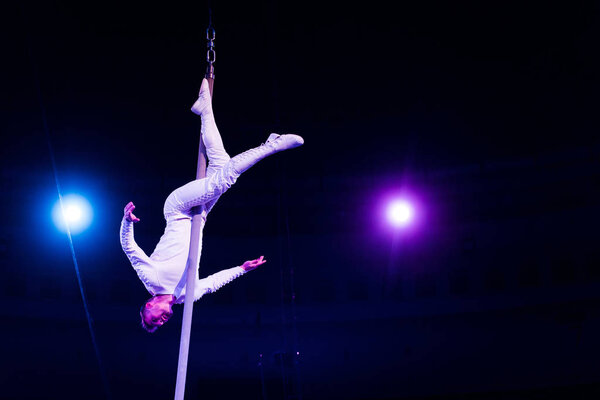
x=156, y=312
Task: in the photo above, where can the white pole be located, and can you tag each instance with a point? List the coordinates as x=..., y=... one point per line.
x=192, y=266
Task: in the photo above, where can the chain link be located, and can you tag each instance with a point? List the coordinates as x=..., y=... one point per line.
x=210, y=33
x=211, y=55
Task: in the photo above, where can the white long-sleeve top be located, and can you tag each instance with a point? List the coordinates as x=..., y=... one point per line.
x=164, y=271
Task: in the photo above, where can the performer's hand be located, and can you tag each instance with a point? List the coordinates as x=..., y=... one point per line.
x=129, y=213
x=253, y=264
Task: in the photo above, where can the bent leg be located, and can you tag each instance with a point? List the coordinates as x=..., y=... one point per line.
x=217, y=156
x=222, y=171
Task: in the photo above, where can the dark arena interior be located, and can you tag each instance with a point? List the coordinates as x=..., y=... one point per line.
x=435, y=237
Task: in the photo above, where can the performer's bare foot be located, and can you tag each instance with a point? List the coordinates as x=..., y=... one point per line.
x=203, y=105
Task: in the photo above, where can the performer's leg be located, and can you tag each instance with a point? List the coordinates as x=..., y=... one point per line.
x=198, y=192
x=222, y=171
x=207, y=190
x=217, y=156
x=274, y=144
x=215, y=151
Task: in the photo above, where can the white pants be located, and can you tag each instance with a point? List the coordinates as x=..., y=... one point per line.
x=220, y=175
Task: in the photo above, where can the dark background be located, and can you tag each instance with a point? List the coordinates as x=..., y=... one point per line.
x=485, y=113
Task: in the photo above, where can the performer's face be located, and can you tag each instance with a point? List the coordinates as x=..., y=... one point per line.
x=157, y=314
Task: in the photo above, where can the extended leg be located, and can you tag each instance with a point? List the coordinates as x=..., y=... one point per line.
x=274, y=144
x=217, y=156
x=208, y=190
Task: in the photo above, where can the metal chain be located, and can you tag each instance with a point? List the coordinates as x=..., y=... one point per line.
x=211, y=56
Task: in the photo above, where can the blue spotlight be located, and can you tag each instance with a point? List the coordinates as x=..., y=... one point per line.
x=75, y=213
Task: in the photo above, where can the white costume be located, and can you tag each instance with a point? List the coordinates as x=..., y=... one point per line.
x=164, y=271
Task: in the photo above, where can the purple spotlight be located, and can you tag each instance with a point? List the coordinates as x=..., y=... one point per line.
x=400, y=213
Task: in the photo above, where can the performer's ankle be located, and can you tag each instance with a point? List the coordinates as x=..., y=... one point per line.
x=207, y=115
x=202, y=108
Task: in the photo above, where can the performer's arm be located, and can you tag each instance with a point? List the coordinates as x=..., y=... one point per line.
x=214, y=282
x=136, y=255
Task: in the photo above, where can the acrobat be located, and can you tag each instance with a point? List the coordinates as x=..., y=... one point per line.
x=163, y=272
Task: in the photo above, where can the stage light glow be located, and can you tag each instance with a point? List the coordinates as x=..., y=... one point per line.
x=400, y=213
x=76, y=214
